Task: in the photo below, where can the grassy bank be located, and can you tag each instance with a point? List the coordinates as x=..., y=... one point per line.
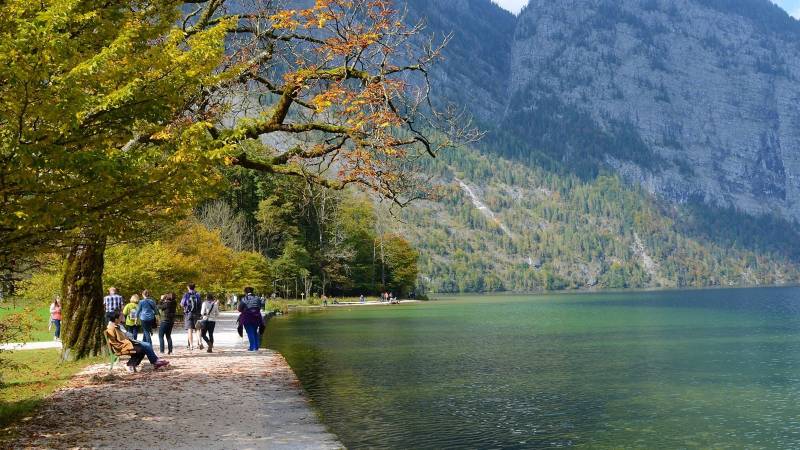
x=38, y=315
x=40, y=373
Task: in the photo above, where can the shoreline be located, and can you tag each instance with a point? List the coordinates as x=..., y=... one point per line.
x=588, y=291
x=227, y=399
x=347, y=304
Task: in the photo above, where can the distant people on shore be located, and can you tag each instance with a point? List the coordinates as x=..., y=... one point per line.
x=130, y=311
x=147, y=312
x=250, y=317
x=191, y=305
x=209, y=313
x=324, y=300
x=122, y=345
x=113, y=301
x=167, y=306
x=362, y=299
x=55, y=317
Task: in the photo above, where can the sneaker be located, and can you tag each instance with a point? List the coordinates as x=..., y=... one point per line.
x=131, y=369
x=161, y=363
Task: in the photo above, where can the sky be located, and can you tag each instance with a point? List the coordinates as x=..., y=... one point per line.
x=792, y=6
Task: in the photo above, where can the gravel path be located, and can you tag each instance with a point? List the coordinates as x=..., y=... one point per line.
x=227, y=399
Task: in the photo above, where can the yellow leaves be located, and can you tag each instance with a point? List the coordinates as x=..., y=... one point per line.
x=336, y=94
x=285, y=19
x=163, y=135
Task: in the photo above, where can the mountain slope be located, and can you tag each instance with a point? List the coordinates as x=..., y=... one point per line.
x=695, y=100
x=498, y=225
x=661, y=142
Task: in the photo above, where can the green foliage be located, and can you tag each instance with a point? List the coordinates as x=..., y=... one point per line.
x=571, y=233
x=193, y=254
x=82, y=82
x=320, y=240
x=401, y=261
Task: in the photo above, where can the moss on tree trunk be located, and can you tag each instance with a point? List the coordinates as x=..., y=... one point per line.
x=82, y=292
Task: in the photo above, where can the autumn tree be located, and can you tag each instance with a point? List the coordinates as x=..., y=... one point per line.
x=97, y=136
x=401, y=262
x=114, y=118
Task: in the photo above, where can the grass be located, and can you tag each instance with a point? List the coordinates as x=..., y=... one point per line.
x=24, y=389
x=283, y=304
x=39, y=316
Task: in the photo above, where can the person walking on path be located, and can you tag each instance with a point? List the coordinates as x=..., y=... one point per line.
x=131, y=318
x=112, y=302
x=55, y=317
x=167, y=307
x=250, y=317
x=191, y=304
x=147, y=311
x=122, y=345
x=209, y=313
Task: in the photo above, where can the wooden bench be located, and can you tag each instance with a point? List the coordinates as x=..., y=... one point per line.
x=114, y=356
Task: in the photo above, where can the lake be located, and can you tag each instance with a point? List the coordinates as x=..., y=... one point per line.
x=666, y=369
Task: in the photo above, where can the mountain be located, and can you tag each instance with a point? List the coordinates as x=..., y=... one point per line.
x=630, y=143
x=695, y=100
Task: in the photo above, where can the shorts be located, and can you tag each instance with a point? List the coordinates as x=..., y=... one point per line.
x=188, y=322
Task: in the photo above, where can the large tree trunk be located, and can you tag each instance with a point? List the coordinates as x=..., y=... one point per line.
x=82, y=294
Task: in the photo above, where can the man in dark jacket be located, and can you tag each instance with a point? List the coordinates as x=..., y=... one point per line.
x=250, y=317
x=191, y=303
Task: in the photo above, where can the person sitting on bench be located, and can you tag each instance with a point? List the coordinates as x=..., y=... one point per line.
x=121, y=344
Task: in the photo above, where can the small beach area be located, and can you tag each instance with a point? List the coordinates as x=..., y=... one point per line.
x=230, y=398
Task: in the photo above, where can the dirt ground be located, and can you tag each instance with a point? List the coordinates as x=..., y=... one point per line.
x=227, y=399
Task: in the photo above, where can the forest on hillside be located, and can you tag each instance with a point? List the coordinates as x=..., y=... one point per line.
x=566, y=232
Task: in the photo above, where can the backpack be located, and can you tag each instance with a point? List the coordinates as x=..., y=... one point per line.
x=132, y=315
x=193, y=305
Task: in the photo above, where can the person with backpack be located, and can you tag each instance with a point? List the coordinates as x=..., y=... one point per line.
x=167, y=306
x=131, y=317
x=209, y=313
x=250, y=317
x=191, y=305
x=147, y=311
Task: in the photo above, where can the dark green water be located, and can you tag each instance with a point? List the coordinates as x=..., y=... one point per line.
x=679, y=369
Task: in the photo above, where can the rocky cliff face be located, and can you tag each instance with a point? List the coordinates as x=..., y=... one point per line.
x=475, y=70
x=694, y=99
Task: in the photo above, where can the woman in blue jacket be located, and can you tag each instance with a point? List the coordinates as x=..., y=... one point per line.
x=147, y=311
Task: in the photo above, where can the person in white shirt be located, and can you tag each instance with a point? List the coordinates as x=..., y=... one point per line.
x=209, y=313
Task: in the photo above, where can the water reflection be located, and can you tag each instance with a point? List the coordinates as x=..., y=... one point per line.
x=692, y=369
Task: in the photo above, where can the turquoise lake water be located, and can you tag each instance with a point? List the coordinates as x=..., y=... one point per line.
x=669, y=369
